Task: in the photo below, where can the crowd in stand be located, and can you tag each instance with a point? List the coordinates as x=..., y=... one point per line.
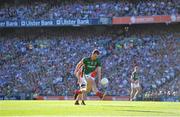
x=43, y=61
x=57, y=9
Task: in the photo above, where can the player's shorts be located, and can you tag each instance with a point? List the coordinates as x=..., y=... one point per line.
x=91, y=84
x=89, y=77
x=135, y=85
x=84, y=83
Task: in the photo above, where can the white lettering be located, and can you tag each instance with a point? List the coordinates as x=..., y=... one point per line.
x=79, y=21
x=69, y=22
x=11, y=23
x=33, y=23
x=2, y=24
x=46, y=23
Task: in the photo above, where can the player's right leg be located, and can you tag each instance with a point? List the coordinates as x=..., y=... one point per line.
x=83, y=90
x=135, y=94
x=137, y=90
x=81, y=93
x=78, y=74
x=132, y=92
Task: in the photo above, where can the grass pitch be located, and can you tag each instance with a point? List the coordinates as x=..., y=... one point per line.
x=93, y=108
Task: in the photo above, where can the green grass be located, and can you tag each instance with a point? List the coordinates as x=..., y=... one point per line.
x=93, y=108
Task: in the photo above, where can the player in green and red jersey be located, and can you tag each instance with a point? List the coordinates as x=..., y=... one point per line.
x=135, y=85
x=86, y=71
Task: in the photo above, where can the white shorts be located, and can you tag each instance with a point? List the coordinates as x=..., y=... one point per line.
x=89, y=77
x=92, y=84
x=135, y=85
x=83, y=85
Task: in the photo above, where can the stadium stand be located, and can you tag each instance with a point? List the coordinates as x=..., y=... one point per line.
x=56, y=9
x=41, y=61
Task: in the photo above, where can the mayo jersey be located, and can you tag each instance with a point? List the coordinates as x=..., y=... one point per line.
x=135, y=76
x=90, y=65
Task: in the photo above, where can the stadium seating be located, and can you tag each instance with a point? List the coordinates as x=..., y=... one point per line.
x=43, y=61
x=82, y=9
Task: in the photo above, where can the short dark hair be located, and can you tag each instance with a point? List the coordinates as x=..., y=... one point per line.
x=96, y=51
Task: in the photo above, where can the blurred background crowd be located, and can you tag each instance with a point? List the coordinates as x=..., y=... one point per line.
x=70, y=9
x=42, y=61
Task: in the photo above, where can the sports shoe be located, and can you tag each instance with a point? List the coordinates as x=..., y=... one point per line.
x=83, y=103
x=134, y=99
x=76, y=103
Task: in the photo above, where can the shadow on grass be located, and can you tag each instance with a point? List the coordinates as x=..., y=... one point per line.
x=118, y=106
x=147, y=111
x=143, y=111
